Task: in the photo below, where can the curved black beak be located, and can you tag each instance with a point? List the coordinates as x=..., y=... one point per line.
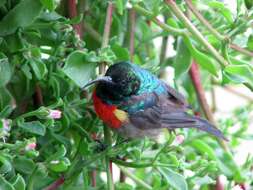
x=105, y=79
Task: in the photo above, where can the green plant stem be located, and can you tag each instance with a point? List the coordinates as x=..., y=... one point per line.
x=134, y=178
x=180, y=15
x=31, y=179
x=140, y=165
x=164, y=26
x=92, y=32
x=108, y=141
x=214, y=31
x=204, y=21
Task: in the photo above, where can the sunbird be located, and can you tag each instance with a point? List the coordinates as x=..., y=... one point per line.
x=135, y=103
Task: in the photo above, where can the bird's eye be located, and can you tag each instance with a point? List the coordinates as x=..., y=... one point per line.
x=123, y=82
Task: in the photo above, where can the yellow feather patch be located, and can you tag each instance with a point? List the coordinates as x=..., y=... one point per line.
x=121, y=115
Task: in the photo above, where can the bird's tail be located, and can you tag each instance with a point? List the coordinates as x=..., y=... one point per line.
x=204, y=125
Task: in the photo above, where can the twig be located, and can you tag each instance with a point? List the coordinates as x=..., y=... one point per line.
x=107, y=132
x=213, y=96
x=132, y=32
x=196, y=79
x=180, y=15
x=94, y=172
x=72, y=14
x=214, y=31
x=195, y=76
x=164, y=26
x=93, y=178
x=108, y=23
x=55, y=185
x=203, y=20
x=241, y=50
x=242, y=95
x=108, y=166
x=134, y=178
x=38, y=98
x=219, y=185
x=92, y=32
x=106, y=34
x=163, y=49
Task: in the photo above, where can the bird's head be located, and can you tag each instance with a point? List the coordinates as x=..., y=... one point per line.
x=119, y=81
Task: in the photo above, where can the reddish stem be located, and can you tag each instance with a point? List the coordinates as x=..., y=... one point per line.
x=94, y=172
x=122, y=177
x=132, y=31
x=110, y=165
x=106, y=34
x=38, y=98
x=195, y=76
x=93, y=178
x=56, y=184
x=72, y=14
x=219, y=185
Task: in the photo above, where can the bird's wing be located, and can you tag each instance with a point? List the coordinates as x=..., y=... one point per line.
x=177, y=96
x=167, y=113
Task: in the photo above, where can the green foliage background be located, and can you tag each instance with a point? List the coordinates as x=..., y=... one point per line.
x=41, y=54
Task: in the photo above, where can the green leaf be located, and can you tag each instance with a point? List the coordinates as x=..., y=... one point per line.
x=39, y=68
x=5, y=70
x=250, y=42
x=229, y=167
x=182, y=61
x=49, y=4
x=173, y=178
x=23, y=165
x=16, y=17
x=205, y=61
x=107, y=55
x=121, y=53
x=34, y=127
x=19, y=183
x=27, y=71
x=222, y=9
x=203, y=148
x=2, y=2
x=204, y=180
x=60, y=165
x=5, y=185
x=249, y=4
x=59, y=154
x=6, y=111
x=123, y=186
x=5, y=165
x=120, y=6
x=78, y=69
x=244, y=73
x=5, y=98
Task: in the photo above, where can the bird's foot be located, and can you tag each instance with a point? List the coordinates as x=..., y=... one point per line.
x=100, y=146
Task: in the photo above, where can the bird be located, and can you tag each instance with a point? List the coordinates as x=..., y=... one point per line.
x=135, y=103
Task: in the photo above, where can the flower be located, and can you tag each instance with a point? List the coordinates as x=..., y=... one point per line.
x=6, y=125
x=237, y=187
x=30, y=146
x=54, y=114
x=5, y=128
x=179, y=139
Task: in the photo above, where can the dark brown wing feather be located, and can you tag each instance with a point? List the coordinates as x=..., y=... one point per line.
x=169, y=111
